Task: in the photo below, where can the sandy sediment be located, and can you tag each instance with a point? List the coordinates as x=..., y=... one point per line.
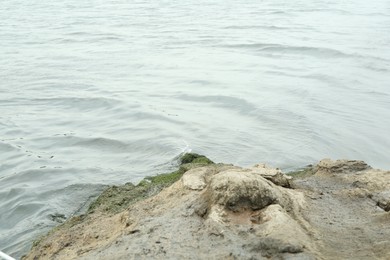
x=334, y=210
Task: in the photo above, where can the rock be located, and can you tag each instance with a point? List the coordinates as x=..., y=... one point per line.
x=194, y=179
x=236, y=190
x=219, y=211
x=277, y=225
x=57, y=217
x=273, y=174
x=345, y=217
x=383, y=200
x=341, y=166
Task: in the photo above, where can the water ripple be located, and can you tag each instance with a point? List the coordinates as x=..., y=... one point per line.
x=110, y=91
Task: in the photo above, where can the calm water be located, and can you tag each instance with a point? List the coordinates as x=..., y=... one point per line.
x=105, y=92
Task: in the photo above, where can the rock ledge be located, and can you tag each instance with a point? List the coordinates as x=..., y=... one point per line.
x=338, y=210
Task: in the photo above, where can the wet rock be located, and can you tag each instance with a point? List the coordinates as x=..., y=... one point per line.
x=57, y=217
x=383, y=200
x=237, y=190
x=273, y=174
x=281, y=232
x=194, y=179
x=195, y=159
x=218, y=211
x=341, y=166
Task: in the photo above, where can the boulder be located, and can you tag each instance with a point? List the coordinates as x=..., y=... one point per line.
x=272, y=174
x=341, y=166
x=236, y=190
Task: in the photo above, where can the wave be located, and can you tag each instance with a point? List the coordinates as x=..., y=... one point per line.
x=229, y=102
x=27, y=206
x=80, y=37
x=321, y=52
x=267, y=27
x=80, y=103
x=100, y=143
x=7, y=147
x=279, y=48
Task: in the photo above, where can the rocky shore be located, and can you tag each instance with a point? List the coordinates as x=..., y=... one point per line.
x=333, y=210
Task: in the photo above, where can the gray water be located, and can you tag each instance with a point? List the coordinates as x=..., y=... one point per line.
x=105, y=92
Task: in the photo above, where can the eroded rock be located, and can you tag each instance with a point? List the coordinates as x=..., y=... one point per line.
x=272, y=174
x=383, y=199
x=237, y=190
x=194, y=179
x=341, y=166
x=219, y=211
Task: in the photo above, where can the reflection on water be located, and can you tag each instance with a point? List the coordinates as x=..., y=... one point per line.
x=103, y=92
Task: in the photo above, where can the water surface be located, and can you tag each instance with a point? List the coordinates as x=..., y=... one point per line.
x=105, y=92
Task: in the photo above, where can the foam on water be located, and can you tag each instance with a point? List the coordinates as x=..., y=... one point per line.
x=105, y=92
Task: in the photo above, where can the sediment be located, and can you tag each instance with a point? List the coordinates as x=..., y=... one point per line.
x=333, y=210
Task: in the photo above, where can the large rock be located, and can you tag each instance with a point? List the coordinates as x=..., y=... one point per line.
x=227, y=212
x=383, y=199
x=341, y=166
x=273, y=174
x=213, y=212
x=236, y=190
x=194, y=179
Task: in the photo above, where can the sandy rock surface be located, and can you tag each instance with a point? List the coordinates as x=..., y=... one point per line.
x=338, y=211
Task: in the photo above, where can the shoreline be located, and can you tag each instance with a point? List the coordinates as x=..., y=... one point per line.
x=208, y=210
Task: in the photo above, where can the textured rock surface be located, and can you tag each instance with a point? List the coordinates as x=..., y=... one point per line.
x=194, y=179
x=341, y=166
x=227, y=212
x=344, y=208
x=272, y=174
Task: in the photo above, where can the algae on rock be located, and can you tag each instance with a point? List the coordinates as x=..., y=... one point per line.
x=223, y=211
x=117, y=198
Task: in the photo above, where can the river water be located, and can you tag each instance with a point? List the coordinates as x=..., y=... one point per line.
x=105, y=92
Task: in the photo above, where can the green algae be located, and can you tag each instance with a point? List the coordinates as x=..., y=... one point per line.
x=195, y=158
x=117, y=198
x=302, y=173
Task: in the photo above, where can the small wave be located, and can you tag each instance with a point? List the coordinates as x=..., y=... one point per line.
x=376, y=68
x=6, y=147
x=321, y=52
x=230, y=102
x=62, y=101
x=81, y=37
x=174, y=162
x=33, y=177
x=279, y=12
x=101, y=143
x=269, y=27
x=77, y=34
x=322, y=10
x=17, y=212
x=279, y=48
x=87, y=103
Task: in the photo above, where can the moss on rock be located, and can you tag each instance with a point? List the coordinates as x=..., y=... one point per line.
x=117, y=198
x=195, y=158
x=302, y=173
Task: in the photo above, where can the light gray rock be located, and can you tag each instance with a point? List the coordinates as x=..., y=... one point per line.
x=273, y=174
x=341, y=166
x=244, y=189
x=194, y=179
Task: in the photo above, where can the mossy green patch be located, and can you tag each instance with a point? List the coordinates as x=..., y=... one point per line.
x=195, y=158
x=117, y=198
x=302, y=173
